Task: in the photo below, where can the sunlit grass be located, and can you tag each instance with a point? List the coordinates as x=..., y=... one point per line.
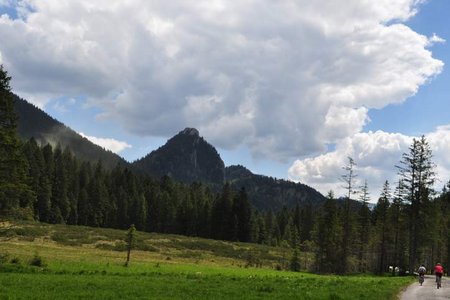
x=171, y=267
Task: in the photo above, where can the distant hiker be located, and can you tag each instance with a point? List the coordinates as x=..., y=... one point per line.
x=422, y=270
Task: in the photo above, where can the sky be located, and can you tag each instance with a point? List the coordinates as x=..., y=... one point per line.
x=288, y=88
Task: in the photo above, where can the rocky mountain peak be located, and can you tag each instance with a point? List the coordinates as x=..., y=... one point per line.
x=186, y=157
x=190, y=131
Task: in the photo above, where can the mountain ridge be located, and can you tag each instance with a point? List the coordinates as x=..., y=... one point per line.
x=34, y=122
x=186, y=157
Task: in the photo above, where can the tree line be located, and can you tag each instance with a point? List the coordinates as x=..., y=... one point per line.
x=409, y=224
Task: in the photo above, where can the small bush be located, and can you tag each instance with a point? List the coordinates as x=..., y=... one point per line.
x=37, y=261
x=67, y=238
x=15, y=261
x=30, y=232
x=8, y=233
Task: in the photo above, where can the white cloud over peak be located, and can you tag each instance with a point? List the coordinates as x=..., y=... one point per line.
x=282, y=77
x=108, y=143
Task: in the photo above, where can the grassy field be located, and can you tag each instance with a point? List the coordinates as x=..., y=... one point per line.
x=87, y=263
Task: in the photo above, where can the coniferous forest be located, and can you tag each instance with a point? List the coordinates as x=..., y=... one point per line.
x=409, y=224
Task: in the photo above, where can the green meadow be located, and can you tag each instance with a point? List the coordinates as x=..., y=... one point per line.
x=74, y=262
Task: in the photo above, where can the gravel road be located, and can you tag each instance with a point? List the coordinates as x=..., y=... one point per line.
x=428, y=290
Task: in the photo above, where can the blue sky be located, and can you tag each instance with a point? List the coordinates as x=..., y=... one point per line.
x=288, y=89
x=429, y=108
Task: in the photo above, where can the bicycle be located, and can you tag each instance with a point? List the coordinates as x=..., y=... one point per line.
x=438, y=281
x=421, y=278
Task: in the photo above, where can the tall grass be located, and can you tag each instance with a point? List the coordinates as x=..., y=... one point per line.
x=171, y=267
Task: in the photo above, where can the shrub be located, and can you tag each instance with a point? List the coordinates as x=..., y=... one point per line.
x=37, y=261
x=295, y=262
x=15, y=261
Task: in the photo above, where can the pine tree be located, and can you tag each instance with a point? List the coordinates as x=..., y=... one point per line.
x=130, y=241
x=85, y=211
x=60, y=207
x=294, y=264
x=222, y=215
x=347, y=216
x=381, y=227
x=417, y=172
x=363, y=227
x=242, y=211
x=73, y=186
x=444, y=199
x=98, y=197
x=38, y=179
x=306, y=222
x=327, y=236
x=396, y=220
x=16, y=196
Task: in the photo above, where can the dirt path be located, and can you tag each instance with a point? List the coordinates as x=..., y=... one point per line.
x=428, y=290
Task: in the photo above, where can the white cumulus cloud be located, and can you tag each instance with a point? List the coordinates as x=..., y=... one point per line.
x=435, y=39
x=108, y=143
x=282, y=77
x=376, y=154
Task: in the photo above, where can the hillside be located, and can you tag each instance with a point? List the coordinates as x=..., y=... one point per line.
x=271, y=193
x=33, y=122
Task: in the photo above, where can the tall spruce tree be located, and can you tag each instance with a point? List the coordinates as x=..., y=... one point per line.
x=444, y=199
x=16, y=196
x=60, y=207
x=347, y=216
x=327, y=237
x=396, y=220
x=381, y=227
x=39, y=181
x=242, y=211
x=222, y=215
x=363, y=227
x=417, y=172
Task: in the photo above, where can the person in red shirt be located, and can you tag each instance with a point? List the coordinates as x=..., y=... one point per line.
x=438, y=270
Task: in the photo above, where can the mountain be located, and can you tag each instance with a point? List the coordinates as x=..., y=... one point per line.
x=33, y=122
x=270, y=193
x=186, y=157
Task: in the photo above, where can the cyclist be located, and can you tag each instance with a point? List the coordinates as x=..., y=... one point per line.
x=438, y=270
x=422, y=270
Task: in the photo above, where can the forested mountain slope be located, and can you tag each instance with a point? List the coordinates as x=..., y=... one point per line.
x=33, y=122
x=271, y=193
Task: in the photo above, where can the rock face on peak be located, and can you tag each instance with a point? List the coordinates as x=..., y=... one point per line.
x=186, y=157
x=190, y=131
